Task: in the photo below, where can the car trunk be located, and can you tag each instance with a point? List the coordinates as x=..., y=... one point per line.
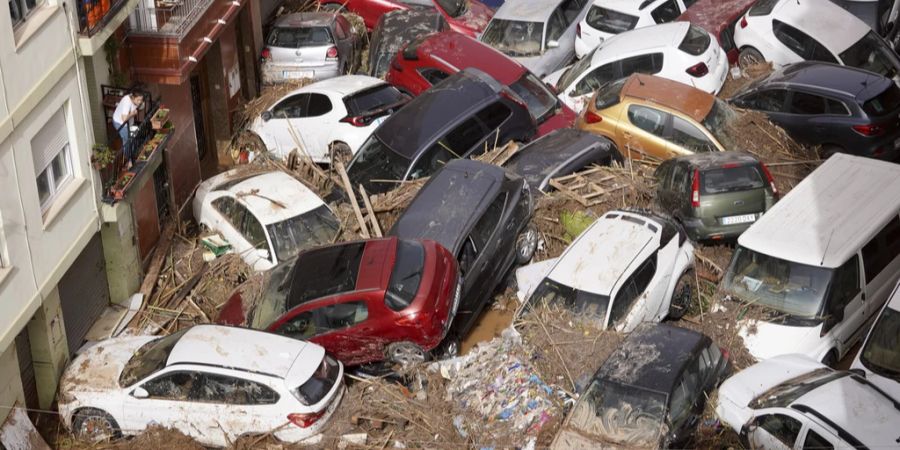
x=301, y=56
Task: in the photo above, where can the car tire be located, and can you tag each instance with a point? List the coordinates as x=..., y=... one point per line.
x=831, y=359
x=749, y=56
x=95, y=425
x=450, y=348
x=526, y=245
x=406, y=353
x=683, y=295
x=340, y=152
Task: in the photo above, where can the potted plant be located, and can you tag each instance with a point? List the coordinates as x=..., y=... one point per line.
x=102, y=156
x=118, y=189
x=166, y=128
x=159, y=118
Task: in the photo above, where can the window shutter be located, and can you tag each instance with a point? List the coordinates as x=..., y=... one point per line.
x=48, y=142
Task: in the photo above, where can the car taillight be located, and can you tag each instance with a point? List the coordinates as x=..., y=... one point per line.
x=869, y=130
x=332, y=53
x=770, y=179
x=592, y=117
x=744, y=22
x=695, y=190
x=578, y=30
x=266, y=53
x=305, y=420
x=357, y=121
x=698, y=70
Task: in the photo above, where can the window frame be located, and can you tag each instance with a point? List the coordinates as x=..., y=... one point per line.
x=199, y=396
x=653, y=12
x=875, y=252
x=317, y=316
x=55, y=186
x=666, y=123
x=23, y=17
x=304, y=108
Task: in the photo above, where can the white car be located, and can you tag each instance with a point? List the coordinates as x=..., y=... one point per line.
x=607, y=18
x=267, y=217
x=788, y=31
x=794, y=402
x=332, y=116
x=626, y=268
x=880, y=354
x=678, y=51
x=212, y=383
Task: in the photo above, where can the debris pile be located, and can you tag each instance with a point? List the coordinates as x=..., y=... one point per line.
x=738, y=79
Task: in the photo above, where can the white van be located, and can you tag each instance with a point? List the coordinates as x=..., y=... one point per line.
x=880, y=354
x=822, y=261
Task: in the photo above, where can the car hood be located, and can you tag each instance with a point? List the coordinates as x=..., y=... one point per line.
x=529, y=277
x=765, y=340
x=536, y=64
x=475, y=20
x=98, y=368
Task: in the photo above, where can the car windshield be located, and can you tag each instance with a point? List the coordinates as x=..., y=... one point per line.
x=621, y=414
x=609, y=21
x=319, y=384
x=586, y=305
x=731, y=179
x=273, y=302
x=309, y=229
x=872, y=54
x=541, y=102
x=785, y=393
x=149, y=359
x=453, y=8
x=286, y=37
x=376, y=161
x=720, y=115
x=514, y=38
x=787, y=287
x=881, y=354
x=575, y=71
x=406, y=276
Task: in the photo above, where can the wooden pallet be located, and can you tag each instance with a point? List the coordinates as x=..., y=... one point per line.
x=588, y=193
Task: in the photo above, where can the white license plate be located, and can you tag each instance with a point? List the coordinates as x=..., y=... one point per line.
x=733, y=220
x=297, y=74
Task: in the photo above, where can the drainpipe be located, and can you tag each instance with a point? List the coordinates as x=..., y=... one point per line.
x=208, y=40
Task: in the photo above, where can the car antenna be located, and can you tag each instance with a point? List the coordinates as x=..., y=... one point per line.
x=827, y=244
x=641, y=82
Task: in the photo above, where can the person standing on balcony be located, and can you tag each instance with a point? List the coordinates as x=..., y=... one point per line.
x=125, y=111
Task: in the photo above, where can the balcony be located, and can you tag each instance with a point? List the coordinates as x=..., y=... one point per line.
x=98, y=19
x=171, y=18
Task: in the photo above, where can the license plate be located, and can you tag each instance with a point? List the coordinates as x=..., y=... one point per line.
x=733, y=220
x=297, y=74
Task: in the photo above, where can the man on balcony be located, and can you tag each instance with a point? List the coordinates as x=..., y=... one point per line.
x=125, y=111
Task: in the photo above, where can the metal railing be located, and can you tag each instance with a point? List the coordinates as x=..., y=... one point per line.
x=110, y=175
x=168, y=17
x=93, y=15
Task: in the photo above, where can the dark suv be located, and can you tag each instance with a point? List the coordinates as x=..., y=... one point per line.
x=841, y=108
x=715, y=195
x=481, y=213
x=460, y=117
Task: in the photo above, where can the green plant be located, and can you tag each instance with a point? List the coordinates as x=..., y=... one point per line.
x=574, y=223
x=102, y=155
x=111, y=47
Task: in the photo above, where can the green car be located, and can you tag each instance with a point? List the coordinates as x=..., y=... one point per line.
x=716, y=195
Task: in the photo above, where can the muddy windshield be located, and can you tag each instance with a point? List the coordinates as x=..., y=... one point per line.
x=309, y=229
x=620, y=414
x=785, y=393
x=787, y=287
x=881, y=354
x=573, y=72
x=376, y=161
x=589, y=306
x=274, y=299
x=717, y=121
x=406, y=276
x=286, y=37
x=872, y=54
x=541, y=102
x=149, y=359
x=515, y=38
x=453, y=8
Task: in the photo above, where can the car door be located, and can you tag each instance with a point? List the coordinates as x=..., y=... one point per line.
x=687, y=138
x=241, y=407
x=844, y=312
x=663, y=185
x=685, y=403
x=313, y=126
x=881, y=265
x=773, y=102
x=802, y=117
x=649, y=64
x=801, y=44
x=630, y=306
x=776, y=429
x=459, y=142
x=341, y=325
x=230, y=218
x=281, y=126
x=682, y=177
x=480, y=259
x=170, y=403
x=346, y=42
x=815, y=437
x=647, y=132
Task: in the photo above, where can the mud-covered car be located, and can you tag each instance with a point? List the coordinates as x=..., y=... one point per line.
x=314, y=45
x=650, y=393
x=397, y=28
x=480, y=213
x=562, y=152
x=210, y=382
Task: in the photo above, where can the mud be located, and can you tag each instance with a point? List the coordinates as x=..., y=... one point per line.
x=154, y=437
x=492, y=322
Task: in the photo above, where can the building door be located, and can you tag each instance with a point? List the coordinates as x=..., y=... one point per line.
x=197, y=105
x=84, y=293
x=26, y=369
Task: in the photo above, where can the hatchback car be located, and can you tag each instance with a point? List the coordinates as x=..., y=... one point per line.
x=661, y=118
x=677, y=51
x=266, y=217
x=650, y=392
x=607, y=18
x=719, y=19
x=328, y=118
x=210, y=382
x=842, y=109
x=789, y=31
x=538, y=34
x=627, y=267
x=560, y=153
x=480, y=213
x=396, y=29
x=465, y=115
x=792, y=401
x=430, y=59
x=366, y=301
x=715, y=195
x=316, y=45
x=879, y=358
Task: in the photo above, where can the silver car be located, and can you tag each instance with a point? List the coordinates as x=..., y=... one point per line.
x=540, y=34
x=316, y=45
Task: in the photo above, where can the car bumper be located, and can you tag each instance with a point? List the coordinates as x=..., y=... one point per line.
x=294, y=434
x=699, y=231
x=273, y=74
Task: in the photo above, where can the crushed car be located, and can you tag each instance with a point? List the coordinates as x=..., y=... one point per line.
x=396, y=29
x=719, y=19
x=607, y=18
x=316, y=45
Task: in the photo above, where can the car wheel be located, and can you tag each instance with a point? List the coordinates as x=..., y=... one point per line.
x=340, y=152
x=526, y=244
x=94, y=425
x=405, y=353
x=450, y=348
x=683, y=295
x=750, y=56
x=831, y=359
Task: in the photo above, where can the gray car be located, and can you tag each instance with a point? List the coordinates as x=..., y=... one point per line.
x=316, y=45
x=540, y=34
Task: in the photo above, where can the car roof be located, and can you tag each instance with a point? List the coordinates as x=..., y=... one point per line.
x=326, y=271
x=238, y=348
x=831, y=25
x=821, y=76
x=460, y=51
x=680, y=97
x=605, y=252
x=427, y=116
x=452, y=200
x=305, y=19
x=342, y=85
x=275, y=196
x=715, y=15
x=634, y=7
x=641, y=40
x=541, y=158
x=399, y=27
x=822, y=221
x=526, y=10
x=713, y=160
x=652, y=357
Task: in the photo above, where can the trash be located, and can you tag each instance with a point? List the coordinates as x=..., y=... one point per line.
x=353, y=439
x=216, y=244
x=458, y=423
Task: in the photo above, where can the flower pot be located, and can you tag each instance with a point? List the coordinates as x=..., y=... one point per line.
x=159, y=118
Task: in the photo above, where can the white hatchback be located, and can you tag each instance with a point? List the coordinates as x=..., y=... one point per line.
x=332, y=116
x=212, y=383
x=607, y=18
x=678, y=51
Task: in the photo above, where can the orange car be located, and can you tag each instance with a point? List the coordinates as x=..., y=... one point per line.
x=656, y=117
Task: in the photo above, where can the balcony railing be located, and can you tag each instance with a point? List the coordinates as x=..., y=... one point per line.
x=93, y=15
x=167, y=17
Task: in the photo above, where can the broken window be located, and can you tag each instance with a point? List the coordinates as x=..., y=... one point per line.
x=780, y=427
x=632, y=289
x=234, y=391
x=171, y=386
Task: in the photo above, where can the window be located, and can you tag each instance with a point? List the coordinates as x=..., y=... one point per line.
x=681, y=178
x=609, y=21
x=803, y=103
x=781, y=427
x=52, y=159
x=571, y=9
x=632, y=289
x=648, y=119
x=494, y=115
x=462, y=138
x=248, y=225
x=433, y=76
x=814, y=441
x=836, y=107
x=762, y=7
x=695, y=42
x=292, y=107
x=225, y=206
x=649, y=64
x=172, y=386
x=690, y=137
x=325, y=319
x=556, y=26
x=771, y=100
x=594, y=80
x=233, y=391
x=488, y=222
x=20, y=9
x=881, y=250
x=666, y=12
x=406, y=275
x=318, y=105
x=845, y=285
x=800, y=43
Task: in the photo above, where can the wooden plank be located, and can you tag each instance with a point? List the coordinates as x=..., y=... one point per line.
x=159, y=256
x=376, y=228
x=363, y=229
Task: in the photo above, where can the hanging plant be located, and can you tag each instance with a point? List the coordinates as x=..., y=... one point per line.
x=102, y=156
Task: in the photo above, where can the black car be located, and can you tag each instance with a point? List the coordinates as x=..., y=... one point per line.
x=561, y=152
x=481, y=213
x=462, y=116
x=394, y=30
x=841, y=108
x=650, y=393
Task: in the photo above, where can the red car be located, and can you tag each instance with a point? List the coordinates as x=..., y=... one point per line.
x=469, y=17
x=718, y=17
x=429, y=59
x=365, y=301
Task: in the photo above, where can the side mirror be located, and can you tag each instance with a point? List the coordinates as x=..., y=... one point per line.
x=140, y=392
x=265, y=116
x=857, y=371
x=552, y=44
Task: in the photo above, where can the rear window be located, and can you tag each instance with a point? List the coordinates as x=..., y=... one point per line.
x=373, y=99
x=406, y=276
x=884, y=103
x=541, y=102
x=762, y=7
x=731, y=179
x=609, y=94
x=319, y=384
x=609, y=21
x=325, y=271
x=695, y=42
x=299, y=37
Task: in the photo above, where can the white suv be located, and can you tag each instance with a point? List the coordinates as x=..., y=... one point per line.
x=607, y=18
